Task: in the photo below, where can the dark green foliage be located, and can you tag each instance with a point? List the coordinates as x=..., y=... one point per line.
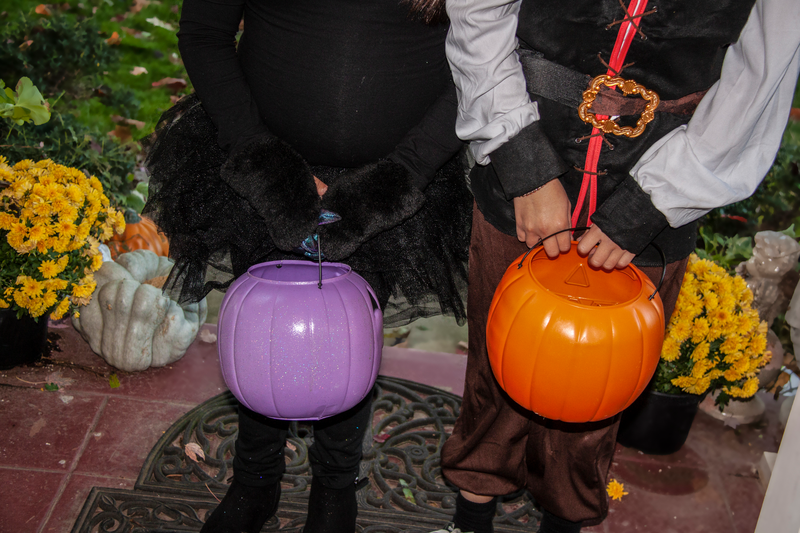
x=57, y=53
x=68, y=142
x=774, y=206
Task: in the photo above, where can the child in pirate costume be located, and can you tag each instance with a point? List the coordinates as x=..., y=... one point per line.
x=521, y=67
x=333, y=118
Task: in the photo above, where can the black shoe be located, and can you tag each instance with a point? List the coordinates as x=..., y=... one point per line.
x=553, y=524
x=244, y=509
x=331, y=510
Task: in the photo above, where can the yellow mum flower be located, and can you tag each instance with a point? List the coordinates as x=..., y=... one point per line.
x=30, y=287
x=4, y=304
x=615, y=490
x=49, y=269
x=758, y=343
x=670, y=349
x=680, y=330
x=56, y=284
x=65, y=228
x=83, y=290
x=37, y=233
x=74, y=194
x=700, y=351
x=7, y=220
x=49, y=299
x=60, y=310
x=731, y=344
x=732, y=375
x=701, y=367
x=97, y=262
x=710, y=300
x=699, y=330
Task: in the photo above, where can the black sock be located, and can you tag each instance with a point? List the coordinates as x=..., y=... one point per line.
x=244, y=508
x=474, y=517
x=553, y=524
x=331, y=510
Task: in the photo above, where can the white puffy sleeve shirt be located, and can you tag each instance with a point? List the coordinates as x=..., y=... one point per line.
x=718, y=158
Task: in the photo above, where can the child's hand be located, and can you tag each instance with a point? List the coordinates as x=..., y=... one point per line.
x=543, y=213
x=607, y=255
x=321, y=187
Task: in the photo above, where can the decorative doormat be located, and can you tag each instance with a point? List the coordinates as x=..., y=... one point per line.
x=402, y=488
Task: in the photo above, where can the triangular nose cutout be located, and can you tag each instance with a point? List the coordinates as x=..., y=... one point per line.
x=578, y=277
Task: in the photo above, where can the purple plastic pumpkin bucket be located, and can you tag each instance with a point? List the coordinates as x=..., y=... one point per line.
x=298, y=340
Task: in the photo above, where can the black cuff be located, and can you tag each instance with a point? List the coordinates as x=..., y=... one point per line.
x=629, y=218
x=278, y=184
x=370, y=200
x=526, y=162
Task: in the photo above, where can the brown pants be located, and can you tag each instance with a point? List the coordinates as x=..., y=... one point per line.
x=498, y=447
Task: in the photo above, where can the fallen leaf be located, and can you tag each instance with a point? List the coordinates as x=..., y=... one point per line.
x=114, y=39
x=138, y=70
x=119, y=18
x=25, y=45
x=37, y=427
x=173, y=84
x=381, y=438
x=113, y=381
x=43, y=10
x=155, y=21
x=131, y=31
x=138, y=5
x=50, y=387
x=123, y=133
x=407, y=493
x=128, y=121
x=57, y=379
x=193, y=450
x=206, y=335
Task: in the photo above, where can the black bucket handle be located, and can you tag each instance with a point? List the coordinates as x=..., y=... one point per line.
x=584, y=228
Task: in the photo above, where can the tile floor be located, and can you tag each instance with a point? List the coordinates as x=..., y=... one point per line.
x=55, y=446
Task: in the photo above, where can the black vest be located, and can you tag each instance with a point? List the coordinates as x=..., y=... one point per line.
x=682, y=53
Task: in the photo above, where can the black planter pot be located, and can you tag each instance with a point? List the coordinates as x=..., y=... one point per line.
x=22, y=341
x=658, y=423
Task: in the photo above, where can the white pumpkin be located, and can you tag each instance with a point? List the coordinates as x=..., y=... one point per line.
x=132, y=324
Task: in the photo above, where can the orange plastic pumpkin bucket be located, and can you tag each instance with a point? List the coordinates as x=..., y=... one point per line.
x=571, y=342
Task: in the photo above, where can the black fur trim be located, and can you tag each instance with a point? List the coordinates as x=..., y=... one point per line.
x=370, y=200
x=278, y=183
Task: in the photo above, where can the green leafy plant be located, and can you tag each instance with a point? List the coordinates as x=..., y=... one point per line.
x=71, y=143
x=56, y=52
x=24, y=104
x=727, y=252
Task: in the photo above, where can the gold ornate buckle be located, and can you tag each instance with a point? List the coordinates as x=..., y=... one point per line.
x=628, y=87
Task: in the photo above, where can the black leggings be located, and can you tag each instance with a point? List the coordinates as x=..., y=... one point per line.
x=335, y=454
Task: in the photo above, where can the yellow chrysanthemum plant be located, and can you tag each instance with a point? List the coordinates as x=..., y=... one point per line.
x=52, y=221
x=715, y=340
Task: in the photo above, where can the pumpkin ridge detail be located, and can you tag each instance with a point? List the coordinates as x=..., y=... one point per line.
x=570, y=342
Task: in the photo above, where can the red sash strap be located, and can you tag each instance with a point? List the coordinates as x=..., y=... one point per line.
x=627, y=31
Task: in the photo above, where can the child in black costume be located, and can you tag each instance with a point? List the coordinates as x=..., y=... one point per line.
x=356, y=94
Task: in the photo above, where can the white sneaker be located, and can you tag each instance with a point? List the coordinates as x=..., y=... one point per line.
x=450, y=528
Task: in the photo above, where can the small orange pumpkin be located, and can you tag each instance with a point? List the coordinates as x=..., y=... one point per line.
x=140, y=233
x=571, y=342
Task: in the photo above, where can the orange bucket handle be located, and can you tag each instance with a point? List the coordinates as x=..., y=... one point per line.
x=584, y=228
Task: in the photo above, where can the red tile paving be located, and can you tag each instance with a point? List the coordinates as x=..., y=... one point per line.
x=56, y=446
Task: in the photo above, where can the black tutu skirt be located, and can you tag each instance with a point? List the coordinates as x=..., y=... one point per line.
x=417, y=269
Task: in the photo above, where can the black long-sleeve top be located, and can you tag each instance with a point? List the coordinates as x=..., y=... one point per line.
x=345, y=82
